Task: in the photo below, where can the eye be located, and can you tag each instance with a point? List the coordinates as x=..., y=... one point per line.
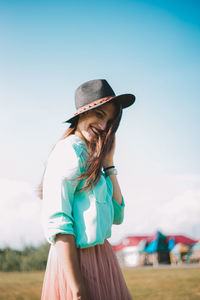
x=99, y=114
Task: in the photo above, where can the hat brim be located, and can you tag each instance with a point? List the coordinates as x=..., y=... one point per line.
x=125, y=100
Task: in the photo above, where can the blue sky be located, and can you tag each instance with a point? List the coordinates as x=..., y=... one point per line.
x=149, y=48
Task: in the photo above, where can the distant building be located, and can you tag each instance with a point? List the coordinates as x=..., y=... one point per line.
x=195, y=253
x=145, y=249
x=128, y=250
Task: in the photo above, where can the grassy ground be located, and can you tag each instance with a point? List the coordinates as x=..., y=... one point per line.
x=164, y=284
x=21, y=286
x=143, y=283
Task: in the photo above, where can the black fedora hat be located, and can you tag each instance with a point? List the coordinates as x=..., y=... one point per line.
x=94, y=93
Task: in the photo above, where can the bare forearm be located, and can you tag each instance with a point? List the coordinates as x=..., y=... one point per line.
x=67, y=253
x=108, y=162
x=117, y=195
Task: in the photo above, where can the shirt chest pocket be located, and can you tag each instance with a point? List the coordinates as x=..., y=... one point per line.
x=100, y=191
x=100, y=198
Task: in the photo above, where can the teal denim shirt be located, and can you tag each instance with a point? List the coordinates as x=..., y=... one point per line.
x=88, y=215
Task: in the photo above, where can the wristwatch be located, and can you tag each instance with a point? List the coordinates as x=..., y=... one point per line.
x=111, y=171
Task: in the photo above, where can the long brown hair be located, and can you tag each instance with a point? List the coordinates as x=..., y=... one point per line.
x=97, y=151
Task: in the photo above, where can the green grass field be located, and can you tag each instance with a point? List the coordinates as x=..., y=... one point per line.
x=144, y=283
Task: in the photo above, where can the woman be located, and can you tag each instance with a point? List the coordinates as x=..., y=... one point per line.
x=81, y=201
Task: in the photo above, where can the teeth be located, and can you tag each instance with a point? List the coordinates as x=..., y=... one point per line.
x=95, y=131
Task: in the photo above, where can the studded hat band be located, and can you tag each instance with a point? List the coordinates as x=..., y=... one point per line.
x=92, y=104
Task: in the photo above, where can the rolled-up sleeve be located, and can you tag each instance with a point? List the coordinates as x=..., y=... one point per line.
x=118, y=211
x=58, y=191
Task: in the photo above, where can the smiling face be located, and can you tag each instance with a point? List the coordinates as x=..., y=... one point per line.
x=94, y=122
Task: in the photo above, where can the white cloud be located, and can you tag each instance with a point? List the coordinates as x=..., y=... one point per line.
x=19, y=214
x=181, y=212
x=170, y=203
x=153, y=202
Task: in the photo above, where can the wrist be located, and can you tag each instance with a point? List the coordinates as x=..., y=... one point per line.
x=108, y=168
x=111, y=171
x=108, y=163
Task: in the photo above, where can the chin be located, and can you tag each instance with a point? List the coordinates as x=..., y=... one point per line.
x=90, y=138
x=87, y=137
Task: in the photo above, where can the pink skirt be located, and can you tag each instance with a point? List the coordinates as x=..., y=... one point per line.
x=100, y=270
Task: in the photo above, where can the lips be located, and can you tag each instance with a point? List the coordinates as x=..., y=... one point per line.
x=95, y=130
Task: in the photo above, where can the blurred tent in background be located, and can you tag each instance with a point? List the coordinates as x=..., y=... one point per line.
x=142, y=245
x=156, y=249
x=129, y=249
x=195, y=253
x=182, y=239
x=171, y=243
x=159, y=243
x=178, y=253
